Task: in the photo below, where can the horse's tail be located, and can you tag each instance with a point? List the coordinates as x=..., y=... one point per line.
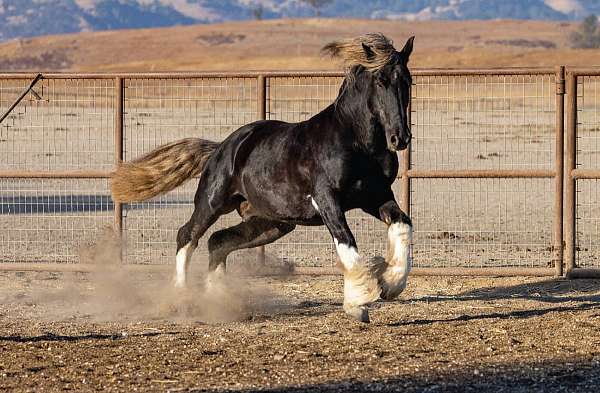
x=161, y=170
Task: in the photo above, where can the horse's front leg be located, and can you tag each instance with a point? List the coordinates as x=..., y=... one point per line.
x=361, y=285
x=393, y=278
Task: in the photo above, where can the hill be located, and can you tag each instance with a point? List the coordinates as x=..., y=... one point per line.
x=28, y=18
x=294, y=45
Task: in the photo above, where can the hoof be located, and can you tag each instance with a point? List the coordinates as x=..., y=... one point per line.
x=359, y=313
x=391, y=292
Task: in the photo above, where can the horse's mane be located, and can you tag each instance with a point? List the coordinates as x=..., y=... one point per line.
x=352, y=52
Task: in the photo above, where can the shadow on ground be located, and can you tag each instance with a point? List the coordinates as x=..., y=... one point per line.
x=518, y=314
x=50, y=337
x=573, y=375
x=550, y=291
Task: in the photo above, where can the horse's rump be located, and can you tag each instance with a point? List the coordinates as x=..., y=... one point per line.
x=161, y=170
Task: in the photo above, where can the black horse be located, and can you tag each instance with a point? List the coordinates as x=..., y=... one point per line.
x=278, y=175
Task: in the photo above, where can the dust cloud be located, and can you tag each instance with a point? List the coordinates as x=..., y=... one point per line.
x=112, y=292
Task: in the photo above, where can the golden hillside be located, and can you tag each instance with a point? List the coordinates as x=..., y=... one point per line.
x=294, y=45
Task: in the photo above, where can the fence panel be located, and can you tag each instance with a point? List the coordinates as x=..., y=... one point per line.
x=69, y=127
x=480, y=181
x=64, y=125
x=162, y=110
x=483, y=160
x=583, y=176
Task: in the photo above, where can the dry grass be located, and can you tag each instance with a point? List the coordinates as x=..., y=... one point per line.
x=295, y=44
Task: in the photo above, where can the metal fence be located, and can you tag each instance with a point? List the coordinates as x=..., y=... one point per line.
x=583, y=173
x=483, y=180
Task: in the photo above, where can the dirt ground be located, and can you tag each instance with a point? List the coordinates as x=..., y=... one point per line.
x=127, y=332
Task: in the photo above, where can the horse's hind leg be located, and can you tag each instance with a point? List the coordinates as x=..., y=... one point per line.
x=189, y=234
x=254, y=232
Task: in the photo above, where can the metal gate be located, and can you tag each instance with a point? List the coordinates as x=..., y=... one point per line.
x=483, y=180
x=582, y=230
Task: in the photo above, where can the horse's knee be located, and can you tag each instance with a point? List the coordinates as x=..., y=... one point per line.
x=391, y=213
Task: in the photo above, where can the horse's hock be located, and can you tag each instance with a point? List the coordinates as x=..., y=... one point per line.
x=483, y=180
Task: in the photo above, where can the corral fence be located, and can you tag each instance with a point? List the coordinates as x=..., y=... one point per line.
x=482, y=179
x=582, y=210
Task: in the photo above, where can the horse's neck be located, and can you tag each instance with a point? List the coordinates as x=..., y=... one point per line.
x=353, y=115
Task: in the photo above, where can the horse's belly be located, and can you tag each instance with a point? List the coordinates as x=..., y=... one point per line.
x=280, y=201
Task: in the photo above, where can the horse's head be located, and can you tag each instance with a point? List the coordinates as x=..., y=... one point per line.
x=380, y=73
x=390, y=95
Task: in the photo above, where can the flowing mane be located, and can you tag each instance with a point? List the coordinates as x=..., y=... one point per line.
x=352, y=51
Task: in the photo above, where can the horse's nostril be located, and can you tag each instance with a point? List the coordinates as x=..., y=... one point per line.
x=394, y=140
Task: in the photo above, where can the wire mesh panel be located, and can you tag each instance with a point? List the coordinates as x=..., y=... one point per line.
x=61, y=125
x=64, y=124
x=159, y=111
x=459, y=122
x=295, y=99
x=588, y=223
x=482, y=223
x=51, y=220
x=588, y=157
x=483, y=122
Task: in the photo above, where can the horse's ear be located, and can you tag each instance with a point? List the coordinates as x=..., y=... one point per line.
x=368, y=52
x=407, y=50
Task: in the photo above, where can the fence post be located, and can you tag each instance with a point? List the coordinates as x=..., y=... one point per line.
x=570, y=209
x=559, y=168
x=261, y=87
x=119, y=88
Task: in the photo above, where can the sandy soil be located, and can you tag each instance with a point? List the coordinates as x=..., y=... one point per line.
x=289, y=334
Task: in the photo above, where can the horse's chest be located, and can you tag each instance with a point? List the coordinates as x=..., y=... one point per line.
x=379, y=169
x=389, y=168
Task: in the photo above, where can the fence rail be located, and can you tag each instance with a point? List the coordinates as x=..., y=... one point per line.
x=483, y=179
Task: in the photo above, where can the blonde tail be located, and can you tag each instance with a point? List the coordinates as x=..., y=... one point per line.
x=161, y=170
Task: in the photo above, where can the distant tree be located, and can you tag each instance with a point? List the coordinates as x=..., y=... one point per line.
x=588, y=34
x=258, y=12
x=317, y=4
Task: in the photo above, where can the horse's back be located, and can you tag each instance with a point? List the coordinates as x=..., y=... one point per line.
x=263, y=165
